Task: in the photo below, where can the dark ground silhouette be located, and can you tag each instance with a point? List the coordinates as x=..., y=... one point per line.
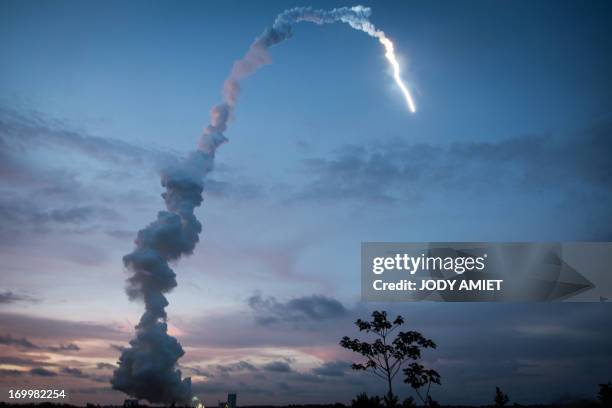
x=583, y=404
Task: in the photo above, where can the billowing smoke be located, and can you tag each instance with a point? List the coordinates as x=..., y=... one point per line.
x=148, y=367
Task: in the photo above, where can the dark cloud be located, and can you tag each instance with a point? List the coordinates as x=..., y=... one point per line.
x=42, y=372
x=277, y=367
x=57, y=329
x=105, y=366
x=121, y=234
x=273, y=323
x=10, y=373
x=234, y=367
x=26, y=212
x=12, y=297
x=24, y=343
x=314, y=308
x=51, y=176
x=81, y=214
x=64, y=347
x=396, y=170
x=118, y=347
x=281, y=381
x=37, y=367
x=283, y=386
x=73, y=372
x=19, y=361
x=21, y=130
x=232, y=189
x=198, y=371
x=333, y=369
x=307, y=378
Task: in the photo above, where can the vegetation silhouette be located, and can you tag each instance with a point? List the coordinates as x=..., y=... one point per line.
x=605, y=394
x=387, y=355
x=364, y=401
x=501, y=399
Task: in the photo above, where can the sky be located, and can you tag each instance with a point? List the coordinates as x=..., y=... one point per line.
x=511, y=141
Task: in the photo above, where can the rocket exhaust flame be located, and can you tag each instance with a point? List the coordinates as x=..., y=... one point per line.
x=148, y=368
x=357, y=18
x=390, y=55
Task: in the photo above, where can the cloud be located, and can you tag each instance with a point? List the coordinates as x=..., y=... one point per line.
x=80, y=214
x=60, y=180
x=526, y=346
x=19, y=361
x=105, y=366
x=396, y=170
x=21, y=212
x=24, y=343
x=277, y=367
x=332, y=369
x=73, y=372
x=21, y=130
x=10, y=373
x=65, y=347
x=314, y=308
x=42, y=372
x=28, y=132
x=51, y=328
x=238, y=366
x=121, y=234
x=308, y=378
x=278, y=379
x=198, y=371
x=308, y=321
x=12, y=297
x=233, y=189
x=118, y=347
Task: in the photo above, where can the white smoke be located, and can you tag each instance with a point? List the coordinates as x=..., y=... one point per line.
x=148, y=368
x=257, y=55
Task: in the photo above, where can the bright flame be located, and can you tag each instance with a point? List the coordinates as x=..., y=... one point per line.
x=390, y=55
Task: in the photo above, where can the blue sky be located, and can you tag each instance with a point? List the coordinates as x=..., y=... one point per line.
x=511, y=142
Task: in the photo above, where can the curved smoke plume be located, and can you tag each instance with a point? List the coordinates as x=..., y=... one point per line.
x=148, y=368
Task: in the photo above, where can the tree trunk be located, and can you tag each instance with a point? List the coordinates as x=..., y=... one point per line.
x=388, y=373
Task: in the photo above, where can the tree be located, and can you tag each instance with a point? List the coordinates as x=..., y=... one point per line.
x=418, y=377
x=605, y=394
x=385, y=357
x=501, y=399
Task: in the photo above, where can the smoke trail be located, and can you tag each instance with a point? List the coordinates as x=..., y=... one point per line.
x=257, y=55
x=148, y=368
